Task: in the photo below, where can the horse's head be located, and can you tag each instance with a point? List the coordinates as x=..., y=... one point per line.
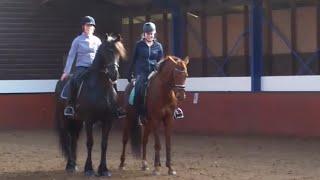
x=111, y=50
x=177, y=69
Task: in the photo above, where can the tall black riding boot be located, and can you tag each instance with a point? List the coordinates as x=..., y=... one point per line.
x=69, y=110
x=118, y=111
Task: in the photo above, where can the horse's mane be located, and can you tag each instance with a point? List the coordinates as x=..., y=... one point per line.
x=121, y=50
x=163, y=61
x=161, y=64
x=118, y=45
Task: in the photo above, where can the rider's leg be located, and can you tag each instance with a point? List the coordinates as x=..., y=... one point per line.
x=118, y=111
x=74, y=85
x=139, y=93
x=69, y=109
x=137, y=97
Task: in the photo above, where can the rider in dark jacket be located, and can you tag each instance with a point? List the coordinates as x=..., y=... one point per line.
x=147, y=53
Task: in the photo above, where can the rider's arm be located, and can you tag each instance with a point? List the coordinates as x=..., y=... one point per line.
x=133, y=62
x=71, y=56
x=160, y=53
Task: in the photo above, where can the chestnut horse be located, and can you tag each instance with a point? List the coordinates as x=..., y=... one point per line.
x=166, y=87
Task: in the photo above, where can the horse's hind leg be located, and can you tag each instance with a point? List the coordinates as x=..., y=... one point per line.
x=103, y=170
x=168, y=130
x=88, y=170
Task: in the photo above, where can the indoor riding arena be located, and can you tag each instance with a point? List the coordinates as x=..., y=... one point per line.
x=252, y=110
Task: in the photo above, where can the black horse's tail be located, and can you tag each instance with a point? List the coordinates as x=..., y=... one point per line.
x=136, y=136
x=67, y=129
x=133, y=124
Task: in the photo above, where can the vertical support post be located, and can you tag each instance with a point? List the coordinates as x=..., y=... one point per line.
x=256, y=37
x=165, y=32
x=204, y=55
x=318, y=33
x=246, y=39
x=177, y=29
x=185, y=38
x=148, y=18
x=295, y=65
x=131, y=36
x=225, y=41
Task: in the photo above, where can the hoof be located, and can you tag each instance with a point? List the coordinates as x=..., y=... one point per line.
x=105, y=174
x=71, y=169
x=172, y=172
x=156, y=173
x=89, y=173
x=145, y=166
x=122, y=168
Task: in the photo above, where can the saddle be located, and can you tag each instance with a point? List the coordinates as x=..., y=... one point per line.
x=133, y=91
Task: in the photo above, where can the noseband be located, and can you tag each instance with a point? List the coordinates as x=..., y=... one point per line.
x=179, y=86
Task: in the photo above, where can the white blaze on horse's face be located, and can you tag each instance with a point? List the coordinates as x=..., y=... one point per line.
x=179, y=76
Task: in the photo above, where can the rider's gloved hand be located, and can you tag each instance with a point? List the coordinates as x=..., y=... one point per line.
x=64, y=76
x=130, y=77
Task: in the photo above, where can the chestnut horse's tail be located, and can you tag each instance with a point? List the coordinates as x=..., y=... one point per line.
x=133, y=124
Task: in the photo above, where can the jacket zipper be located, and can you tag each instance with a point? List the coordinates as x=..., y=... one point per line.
x=149, y=58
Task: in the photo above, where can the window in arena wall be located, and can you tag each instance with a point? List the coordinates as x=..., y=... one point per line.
x=306, y=29
x=214, y=35
x=158, y=20
x=194, y=36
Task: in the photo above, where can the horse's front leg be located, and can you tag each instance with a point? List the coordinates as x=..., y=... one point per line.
x=168, y=123
x=74, y=135
x=157, y=148
x=146, y=132
x=103, y=170
x=88, y=170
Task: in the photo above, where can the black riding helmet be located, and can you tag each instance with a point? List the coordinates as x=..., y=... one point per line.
x=149, y=27
x=88, y=20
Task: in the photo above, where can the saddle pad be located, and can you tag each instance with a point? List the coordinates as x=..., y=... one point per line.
x=66, y=92
x=131, y=96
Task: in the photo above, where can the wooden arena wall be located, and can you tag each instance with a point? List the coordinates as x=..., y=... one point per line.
x=228, y=110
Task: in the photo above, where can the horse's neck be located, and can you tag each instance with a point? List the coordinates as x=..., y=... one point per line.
x=164, y=87
x=96, y=63
x=94, y=77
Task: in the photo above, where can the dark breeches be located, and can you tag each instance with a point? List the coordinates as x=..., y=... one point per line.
x=140, y=88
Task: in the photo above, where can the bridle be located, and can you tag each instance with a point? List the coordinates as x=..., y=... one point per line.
x=179, y=86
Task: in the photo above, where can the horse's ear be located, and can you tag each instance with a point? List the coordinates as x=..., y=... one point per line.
x=118, y=38
x=186, y=60
x=107, y=35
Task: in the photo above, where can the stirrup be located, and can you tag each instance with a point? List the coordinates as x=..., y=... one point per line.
x=69, y=111
x=141, y=120
x=178, y=113
x=121, y=113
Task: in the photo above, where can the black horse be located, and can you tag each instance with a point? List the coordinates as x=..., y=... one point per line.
x=94, y=103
